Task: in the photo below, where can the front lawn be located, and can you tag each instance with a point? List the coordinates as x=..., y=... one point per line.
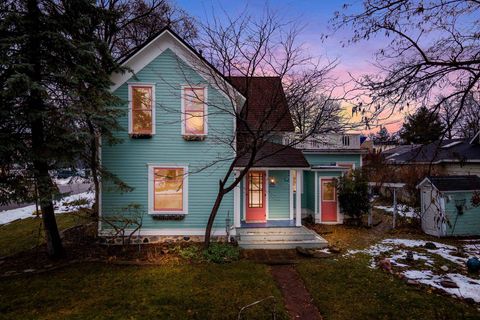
x=346, y=288
x=176, y=291
x=24, y=234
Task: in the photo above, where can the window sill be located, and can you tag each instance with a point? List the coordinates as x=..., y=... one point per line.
x=188, y=137
x=140, y=135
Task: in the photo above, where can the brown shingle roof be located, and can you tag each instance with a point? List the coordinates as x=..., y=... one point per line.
x=266, y=108
x=273, y=155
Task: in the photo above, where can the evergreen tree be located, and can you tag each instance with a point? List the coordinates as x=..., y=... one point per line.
x=54, y=77
x=422, y=127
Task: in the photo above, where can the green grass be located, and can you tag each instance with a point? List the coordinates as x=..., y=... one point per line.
x=180, y=291
x=24, y=234
x=348, y=289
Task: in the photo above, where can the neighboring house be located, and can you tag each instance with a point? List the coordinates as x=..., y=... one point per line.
x=450, y=205
x=399, y=150
x=173, y=160
x=451, y=156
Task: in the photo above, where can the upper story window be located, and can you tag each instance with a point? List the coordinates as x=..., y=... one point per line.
x=141, y=109
x=194, y=113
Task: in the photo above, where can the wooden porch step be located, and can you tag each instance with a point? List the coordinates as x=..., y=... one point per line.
x=279, y=238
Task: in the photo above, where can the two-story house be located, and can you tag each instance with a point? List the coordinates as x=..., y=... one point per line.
x=176, y=147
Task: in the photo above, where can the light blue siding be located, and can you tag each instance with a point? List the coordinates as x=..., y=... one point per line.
x=279, y=195
x=462, y=225
x=129, y=159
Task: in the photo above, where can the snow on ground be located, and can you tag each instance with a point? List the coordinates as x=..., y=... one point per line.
x=61, y=206
x=402, y=210
x=71, y=180
x=426, y=268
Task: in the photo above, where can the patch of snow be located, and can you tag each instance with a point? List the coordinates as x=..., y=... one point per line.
x=61, y=206
x=396, y=250
x=71, y=180
x=467, y=287
x=402, y=210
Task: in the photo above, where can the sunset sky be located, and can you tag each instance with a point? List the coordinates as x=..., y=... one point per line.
x=315, y=15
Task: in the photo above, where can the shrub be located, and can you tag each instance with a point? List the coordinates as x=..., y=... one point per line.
x=353, y=194
x=221, y=253
x=189, y=252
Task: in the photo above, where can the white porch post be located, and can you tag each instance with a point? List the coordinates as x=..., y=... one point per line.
x=298, y=207
x=236, y=203
x=315, y=213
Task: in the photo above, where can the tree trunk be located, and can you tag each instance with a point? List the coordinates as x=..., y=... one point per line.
x=212, y=216
x=94, y=163
x=36, y=111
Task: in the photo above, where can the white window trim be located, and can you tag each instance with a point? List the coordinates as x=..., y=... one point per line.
x=151, y=187
x=205, y=109
x=130, y=104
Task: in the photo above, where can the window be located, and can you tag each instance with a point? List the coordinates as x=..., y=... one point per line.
x=142, y=109
x=194, y=111
x=255, y=190
x=168, y=189
x=328, y=191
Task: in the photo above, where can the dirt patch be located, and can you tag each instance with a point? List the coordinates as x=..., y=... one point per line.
x=297, y=299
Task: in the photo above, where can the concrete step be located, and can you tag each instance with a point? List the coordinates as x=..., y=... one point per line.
x=279, y=238
x=274, y=230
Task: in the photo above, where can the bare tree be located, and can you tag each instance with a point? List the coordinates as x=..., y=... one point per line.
x=432, y=47
x=260, y=57
x=128, y=25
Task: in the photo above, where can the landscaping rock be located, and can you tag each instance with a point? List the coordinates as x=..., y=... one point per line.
x=409, y=256
x=386, y=265
x=334, y=249
x=145, y=240
x=430, y=245
x=412, y=282
x=447, y=283
x=444, y=268
x=29, y=270
x=473, y=265
x=469, y=300
x=320, y=255
x=304, y=252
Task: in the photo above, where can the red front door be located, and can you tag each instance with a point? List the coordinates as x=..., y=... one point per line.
x=329, y=200
x=256, y=197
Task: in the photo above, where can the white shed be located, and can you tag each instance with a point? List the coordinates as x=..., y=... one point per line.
x=447, y=206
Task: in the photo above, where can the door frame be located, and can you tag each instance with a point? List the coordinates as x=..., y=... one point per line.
x=319, y=197
x=245, y=187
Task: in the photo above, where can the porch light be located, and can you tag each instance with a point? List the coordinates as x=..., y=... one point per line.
x=272, y=180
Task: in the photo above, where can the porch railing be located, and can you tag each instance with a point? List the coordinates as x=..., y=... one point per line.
x=348, y=141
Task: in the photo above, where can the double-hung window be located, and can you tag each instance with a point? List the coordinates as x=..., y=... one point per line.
x=141, y=109
x=167, y=189
x=194, y=113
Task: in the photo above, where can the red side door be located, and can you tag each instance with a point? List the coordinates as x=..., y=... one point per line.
x=328, y=193
x=256, y=197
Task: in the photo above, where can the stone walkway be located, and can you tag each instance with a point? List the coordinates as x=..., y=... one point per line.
x=297, y=299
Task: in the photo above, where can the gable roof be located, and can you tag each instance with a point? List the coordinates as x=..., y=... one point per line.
x=453, y=183
x=264, y=95
x=273, y=155
x=166, y=38
x=446, y=151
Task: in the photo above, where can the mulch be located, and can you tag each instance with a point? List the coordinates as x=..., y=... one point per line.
x=297, y=299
